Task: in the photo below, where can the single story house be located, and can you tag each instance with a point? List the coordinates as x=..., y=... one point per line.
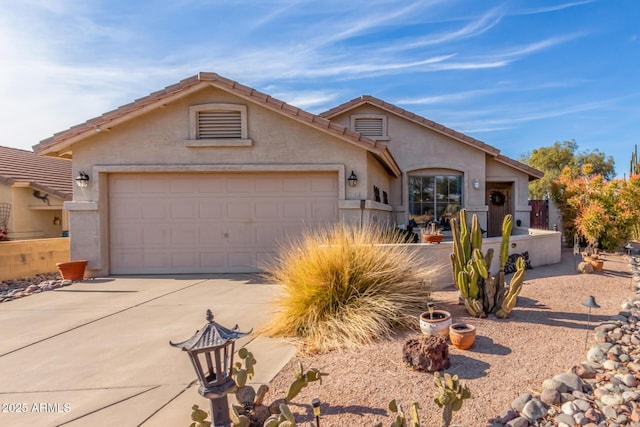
x=32, y=192
x=208, y=175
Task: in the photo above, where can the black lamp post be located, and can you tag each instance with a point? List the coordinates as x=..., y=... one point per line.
x=211, y=352
x=591, y=303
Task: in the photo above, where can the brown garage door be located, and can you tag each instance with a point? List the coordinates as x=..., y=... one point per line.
x=211, y=222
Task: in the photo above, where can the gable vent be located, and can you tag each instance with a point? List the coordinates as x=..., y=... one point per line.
x=369, y=126
x=219, y=125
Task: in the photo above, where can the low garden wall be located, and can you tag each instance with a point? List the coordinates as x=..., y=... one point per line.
x=24, y=258
x=544, y=248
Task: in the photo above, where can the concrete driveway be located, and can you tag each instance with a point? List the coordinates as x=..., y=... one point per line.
x=96, y=353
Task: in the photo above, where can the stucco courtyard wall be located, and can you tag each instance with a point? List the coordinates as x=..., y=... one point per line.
x=24, y=258
x=544, y=248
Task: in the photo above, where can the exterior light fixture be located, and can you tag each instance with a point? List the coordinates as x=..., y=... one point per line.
x=352, y=180
x=316, y=410
x=591, y=303
x=211, y=352
x=476, y=184
x=82, y=180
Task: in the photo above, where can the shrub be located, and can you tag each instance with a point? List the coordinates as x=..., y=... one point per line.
x=344, y=286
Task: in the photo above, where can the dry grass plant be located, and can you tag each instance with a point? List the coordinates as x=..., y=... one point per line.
x=344, y=286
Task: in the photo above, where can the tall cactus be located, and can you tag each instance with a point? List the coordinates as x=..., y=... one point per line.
x=482, y=292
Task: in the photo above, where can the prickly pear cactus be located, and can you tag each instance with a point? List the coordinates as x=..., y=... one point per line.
x=481, y=291
x=302, y=380
x=449, y=395
x=401, y=420
x=198, y=416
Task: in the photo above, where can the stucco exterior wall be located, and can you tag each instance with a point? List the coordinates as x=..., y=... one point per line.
x=26, y=258
x=31, y=218
x=421, y=150
x=156, y=142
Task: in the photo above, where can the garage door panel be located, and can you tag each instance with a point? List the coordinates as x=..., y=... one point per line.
x=240, y=184
x=152, y=209
x=154, y=235
x=184, y=210
x=126, y=236
x=211, y=209
x=239, y=208
x=211, y=222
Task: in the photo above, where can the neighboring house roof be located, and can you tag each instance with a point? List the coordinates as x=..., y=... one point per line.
x=436, y=127
x=60, y=144
x=52, y=176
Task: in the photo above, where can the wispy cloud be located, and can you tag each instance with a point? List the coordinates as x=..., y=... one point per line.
x=474, y=28
x=553, y=8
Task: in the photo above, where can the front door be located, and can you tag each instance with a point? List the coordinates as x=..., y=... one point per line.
x=500, y=204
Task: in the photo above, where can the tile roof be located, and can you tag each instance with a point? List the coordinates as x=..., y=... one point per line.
x=437, y=127
x=59, y=144
x=52, y=176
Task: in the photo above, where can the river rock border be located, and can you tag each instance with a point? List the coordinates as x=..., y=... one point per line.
x=601, y=391
x=19, y=288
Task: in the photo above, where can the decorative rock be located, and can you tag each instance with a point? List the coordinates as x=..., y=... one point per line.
x=628, y=380
x=612, y=399
x=592, y=415
x=610, y=412
x=570, y=408
x=564, y=420
x=518, y=422
x=505, y=416
x=520, y=401
x=596, y=355
x=426, y=353
x=552, y=384
x=534, y=409
x=550, y=396
x=583, y=405
x=572, y=381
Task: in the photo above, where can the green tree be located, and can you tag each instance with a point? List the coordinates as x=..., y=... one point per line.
x=553, y=159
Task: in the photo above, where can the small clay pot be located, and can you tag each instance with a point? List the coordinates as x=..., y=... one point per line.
x=462, y=335
x=436, y=323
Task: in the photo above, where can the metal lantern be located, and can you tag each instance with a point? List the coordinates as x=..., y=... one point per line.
x=590, y=303
x=211, y=353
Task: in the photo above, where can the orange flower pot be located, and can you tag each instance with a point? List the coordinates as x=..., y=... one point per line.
x=432, y=238
x=462, y=335
x=72, y=270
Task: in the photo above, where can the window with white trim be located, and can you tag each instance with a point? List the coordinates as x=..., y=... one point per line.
x=436, y=198
x=370, y=125
x=218, y=125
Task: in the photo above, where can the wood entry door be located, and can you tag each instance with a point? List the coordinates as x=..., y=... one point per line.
x=500, y=205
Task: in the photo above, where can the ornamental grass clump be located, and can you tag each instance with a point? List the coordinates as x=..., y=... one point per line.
x=345, y=286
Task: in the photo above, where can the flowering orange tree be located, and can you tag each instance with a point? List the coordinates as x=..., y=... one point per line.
x=596, y=209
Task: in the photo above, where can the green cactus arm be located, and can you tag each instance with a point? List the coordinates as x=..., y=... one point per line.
x=480, y=263
x=415, y=419
x=241, y=378
x=463, y=284
x=457, y=244
x=456, y=266
x=465, y=237
x=286, y=412
x=507, y=226
x=476, y=233
x=473, y=287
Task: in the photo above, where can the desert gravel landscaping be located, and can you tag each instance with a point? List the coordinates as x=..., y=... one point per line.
x=546, y=334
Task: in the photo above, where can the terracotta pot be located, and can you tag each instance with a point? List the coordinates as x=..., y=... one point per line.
x=432, y=238
x=436, y=323
x=462, y=335
x=72, y=270
x=597, y=264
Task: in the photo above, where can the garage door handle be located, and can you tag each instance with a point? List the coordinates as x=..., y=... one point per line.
x=225, y=235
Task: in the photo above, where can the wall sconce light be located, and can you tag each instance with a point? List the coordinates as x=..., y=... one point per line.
x=352, y=180
x=476, y=184
x=56, y=220
x=82, y=180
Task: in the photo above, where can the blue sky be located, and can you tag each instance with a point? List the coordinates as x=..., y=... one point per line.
x=515, y=74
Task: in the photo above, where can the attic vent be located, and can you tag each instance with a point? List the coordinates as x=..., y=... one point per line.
x=219, y=125
x=370, y=125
